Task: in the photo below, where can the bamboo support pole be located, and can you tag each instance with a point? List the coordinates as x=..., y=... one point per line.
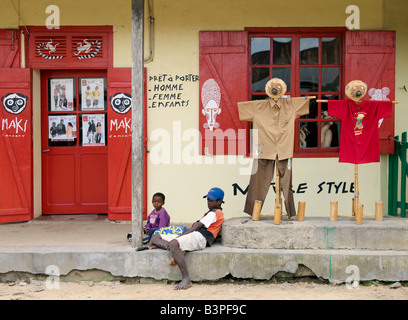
x=333, y=210
x=394, y=102
x=356, y=190
x=301, y=211
x=378, y=211
x=257, y=210
x=359, y=214
x=278, y=205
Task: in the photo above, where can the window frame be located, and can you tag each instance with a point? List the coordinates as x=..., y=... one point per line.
x=296, y=34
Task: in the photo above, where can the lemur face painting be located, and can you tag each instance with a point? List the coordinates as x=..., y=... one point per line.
x=14, y=103
x=121, y=102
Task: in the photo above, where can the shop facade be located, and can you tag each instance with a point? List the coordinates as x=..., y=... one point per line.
x=66, y=116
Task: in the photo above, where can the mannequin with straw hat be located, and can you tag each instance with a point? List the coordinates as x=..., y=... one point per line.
x=273, y=122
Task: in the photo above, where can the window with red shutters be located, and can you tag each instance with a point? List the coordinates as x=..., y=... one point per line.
x=223, y=83
x=312, y=61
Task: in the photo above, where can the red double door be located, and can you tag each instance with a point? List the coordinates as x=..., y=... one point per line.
x=74, y=142
x=86, y=142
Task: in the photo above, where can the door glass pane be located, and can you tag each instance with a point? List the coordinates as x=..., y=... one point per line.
x=61, y=94
x=62, y=130
x=330, y=79
x=307, y=135
x=331, y=49
x=260, y=51
x=260, y=77
x=282, y=50
x=309, y=79
x=284, y=74
x=309, y=50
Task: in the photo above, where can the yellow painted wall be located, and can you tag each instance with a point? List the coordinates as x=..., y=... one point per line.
x=177, y=24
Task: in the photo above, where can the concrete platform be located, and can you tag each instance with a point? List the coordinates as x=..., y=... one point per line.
x=316, y=233
x=99, y=244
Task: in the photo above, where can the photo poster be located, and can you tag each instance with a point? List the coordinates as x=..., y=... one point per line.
x=93, y=130
x=62, y=127
x=61, y=94
x=92, y=94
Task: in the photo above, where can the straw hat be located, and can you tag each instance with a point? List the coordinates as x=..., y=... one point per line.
x=356, y=90
x=275, y=88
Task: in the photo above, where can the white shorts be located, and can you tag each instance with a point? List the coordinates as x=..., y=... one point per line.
x=188, y=242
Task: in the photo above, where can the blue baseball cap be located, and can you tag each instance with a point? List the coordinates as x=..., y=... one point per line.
x=215, y=194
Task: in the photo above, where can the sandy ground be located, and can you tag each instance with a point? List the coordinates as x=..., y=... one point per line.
x=238, y=290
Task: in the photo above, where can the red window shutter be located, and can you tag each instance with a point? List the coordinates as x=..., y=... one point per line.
x=223, y=83
x=16, y=160
x=9, y=48
x=120, y=145
x=370, y=57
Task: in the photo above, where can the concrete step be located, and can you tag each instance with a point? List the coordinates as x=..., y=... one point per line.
x=316, y=233
x=212, y=263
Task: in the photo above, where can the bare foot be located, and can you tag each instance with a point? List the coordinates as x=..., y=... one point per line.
x=183, y=285
x=172, y=262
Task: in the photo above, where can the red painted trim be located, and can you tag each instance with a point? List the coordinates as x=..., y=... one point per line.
x=69, y=62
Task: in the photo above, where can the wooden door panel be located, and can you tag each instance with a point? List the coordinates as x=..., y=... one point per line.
x=60, y=182
x=74, y=177
x=94, y=179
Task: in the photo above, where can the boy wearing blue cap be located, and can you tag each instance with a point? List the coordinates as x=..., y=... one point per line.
x=201, y=234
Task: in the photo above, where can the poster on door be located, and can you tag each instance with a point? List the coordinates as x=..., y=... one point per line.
x=61, y=94
x=93, y=130
x=62, y=127
x=92, y=94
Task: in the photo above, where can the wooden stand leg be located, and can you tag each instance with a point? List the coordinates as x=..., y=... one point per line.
x=257, y=210
x=378, y=211
x=278, y=205
x=278, y=214
x=359, y=214
x=301, y=211
x=333, y=210
x=356, y=190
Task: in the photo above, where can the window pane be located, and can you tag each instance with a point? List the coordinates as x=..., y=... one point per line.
x=331, y=50
x=324, y=105
x=309, y=79
x=309, y=51
x=313, y=109
x=284, y=74
x=282, y=50
x=329, y=134
x=307, y=135
x=259, y=97
x=330, y=79
x=260, y=77
x=260, y=51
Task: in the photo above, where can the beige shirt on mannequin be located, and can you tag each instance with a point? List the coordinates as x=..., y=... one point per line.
x=275, y=122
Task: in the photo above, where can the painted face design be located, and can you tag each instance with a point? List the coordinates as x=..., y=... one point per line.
x=121, y=102
x=211, y=98
x=14, y=103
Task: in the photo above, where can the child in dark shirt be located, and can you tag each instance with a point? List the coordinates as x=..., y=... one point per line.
x=158, y=218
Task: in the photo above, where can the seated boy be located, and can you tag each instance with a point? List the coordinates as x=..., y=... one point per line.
x=202, y=232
